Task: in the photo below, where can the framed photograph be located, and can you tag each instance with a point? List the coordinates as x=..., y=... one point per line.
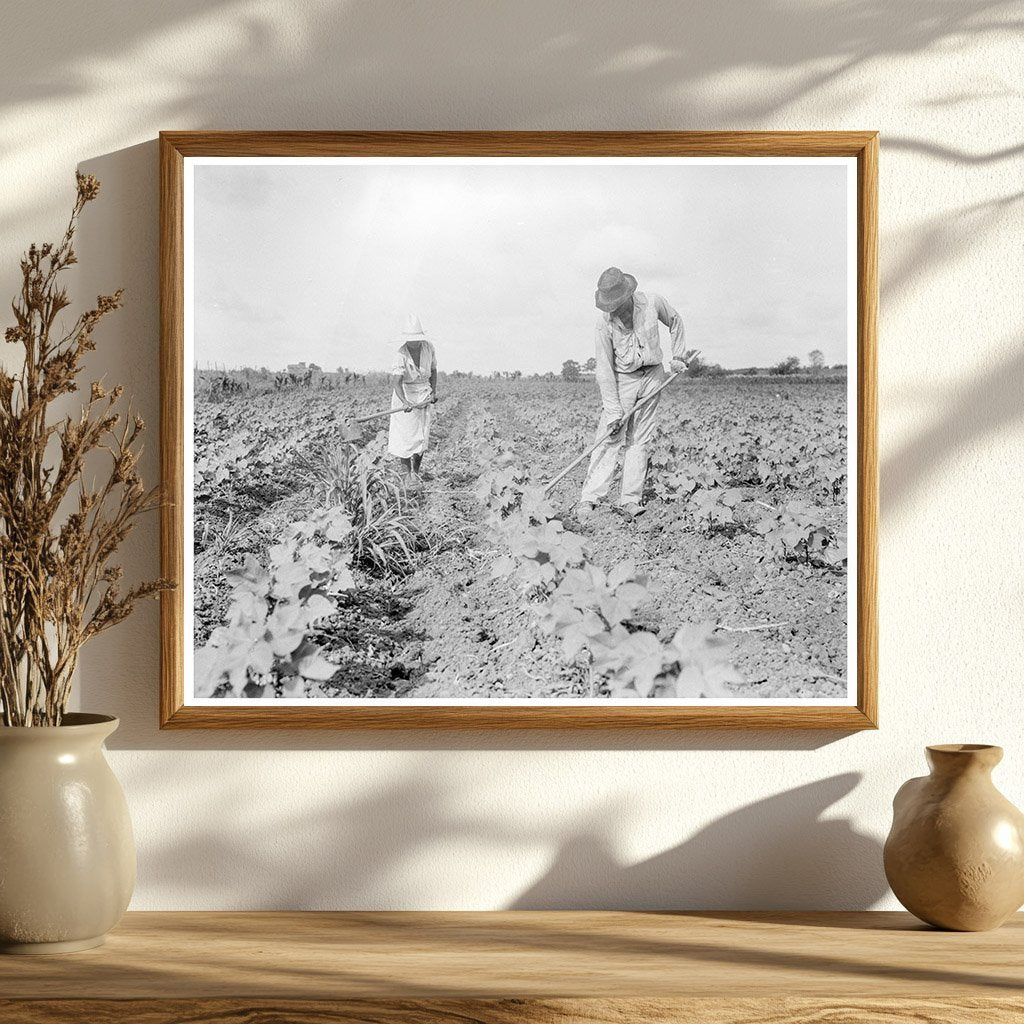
x=519, y=430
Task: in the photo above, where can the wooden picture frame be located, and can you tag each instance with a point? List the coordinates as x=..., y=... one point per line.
x=178, y=147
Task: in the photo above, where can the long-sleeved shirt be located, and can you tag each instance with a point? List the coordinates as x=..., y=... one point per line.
x=619, y=350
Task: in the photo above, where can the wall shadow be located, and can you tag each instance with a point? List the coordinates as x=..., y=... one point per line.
x=775, y=854
x=951, y=154
x=191, y=64
x=986, y=405
x=780, y=853
x=343, y=855
x=310, y=64
x=940, y=242
x=136, y=735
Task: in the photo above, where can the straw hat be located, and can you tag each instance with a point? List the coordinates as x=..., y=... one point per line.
x=613, y=288
x=413, y=330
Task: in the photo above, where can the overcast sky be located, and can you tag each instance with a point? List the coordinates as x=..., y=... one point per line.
x=322, y=263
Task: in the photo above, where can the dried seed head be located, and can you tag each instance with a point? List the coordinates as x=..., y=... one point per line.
x=117, y=392
x=124, y=468
x=88, y=186
x=97, y=391
x=107, y=303
x=72, y=432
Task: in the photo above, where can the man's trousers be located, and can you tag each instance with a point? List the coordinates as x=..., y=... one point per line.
x=634, y=441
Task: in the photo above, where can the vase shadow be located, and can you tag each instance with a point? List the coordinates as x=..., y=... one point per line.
x=779, y=853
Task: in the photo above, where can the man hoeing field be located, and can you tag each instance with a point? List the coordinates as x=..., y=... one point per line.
x=629, y=367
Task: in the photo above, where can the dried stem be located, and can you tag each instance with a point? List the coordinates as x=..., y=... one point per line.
x=58, y=588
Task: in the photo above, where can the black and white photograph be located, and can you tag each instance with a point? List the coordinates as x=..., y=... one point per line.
x=476, y=430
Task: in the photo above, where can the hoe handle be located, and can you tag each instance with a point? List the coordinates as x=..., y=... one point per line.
x=388, y=412
x=551, y=484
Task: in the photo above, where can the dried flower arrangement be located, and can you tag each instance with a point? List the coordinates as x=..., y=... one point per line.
x=58, y=588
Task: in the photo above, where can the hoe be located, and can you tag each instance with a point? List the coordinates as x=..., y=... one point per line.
x=352, y=431
x=554, y=481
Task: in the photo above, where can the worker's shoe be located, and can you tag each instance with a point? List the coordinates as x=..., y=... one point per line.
x=585, y=512
x=631, y=510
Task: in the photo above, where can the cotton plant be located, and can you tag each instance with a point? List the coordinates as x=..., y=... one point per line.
x=589, y=610
x=264, y=645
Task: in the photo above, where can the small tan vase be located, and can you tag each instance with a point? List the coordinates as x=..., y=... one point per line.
x=67, y=856
x=955, y=854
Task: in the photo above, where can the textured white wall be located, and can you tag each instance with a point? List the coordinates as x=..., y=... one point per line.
x=341, y=820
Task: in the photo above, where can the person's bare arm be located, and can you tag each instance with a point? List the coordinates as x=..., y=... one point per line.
x=397, y=383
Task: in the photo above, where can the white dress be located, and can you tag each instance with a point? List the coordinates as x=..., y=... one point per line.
x=409, y=432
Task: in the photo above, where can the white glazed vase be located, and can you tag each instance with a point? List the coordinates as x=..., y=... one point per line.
x=67, y=854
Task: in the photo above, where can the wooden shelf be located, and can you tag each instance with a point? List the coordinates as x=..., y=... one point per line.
x=507, y=968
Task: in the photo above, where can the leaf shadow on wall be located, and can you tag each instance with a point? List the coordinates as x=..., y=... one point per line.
x=940, y=243
x=536, y=64
x=314, y=62
x=991, y=403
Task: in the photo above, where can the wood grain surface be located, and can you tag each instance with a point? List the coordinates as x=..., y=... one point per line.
x=490, y=143
x=500, y=968
x=516, y=1011
x=172, y=419
x=176, y=146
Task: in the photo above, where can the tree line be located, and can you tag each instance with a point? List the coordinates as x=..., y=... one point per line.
x=573, y=371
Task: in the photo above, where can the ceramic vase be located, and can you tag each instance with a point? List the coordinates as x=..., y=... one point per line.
x=67, y=855
x=955, y=854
